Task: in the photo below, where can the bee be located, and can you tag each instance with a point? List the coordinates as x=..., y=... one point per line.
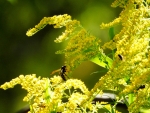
x=62, y=72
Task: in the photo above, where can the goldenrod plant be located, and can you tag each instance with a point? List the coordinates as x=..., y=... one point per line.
x=128, y=70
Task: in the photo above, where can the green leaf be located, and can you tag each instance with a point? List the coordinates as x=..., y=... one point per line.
x=105, y=62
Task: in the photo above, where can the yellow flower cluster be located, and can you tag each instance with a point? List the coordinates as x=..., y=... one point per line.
x=70, y=28
x=120, y=3
x=57, y=21
x=113, y=23
x=35, y=88
x=141, y=101
x=81, y=45
x=47, y=95
x=132, y=44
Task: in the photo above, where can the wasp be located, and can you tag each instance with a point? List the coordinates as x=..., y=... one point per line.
x=62, y=72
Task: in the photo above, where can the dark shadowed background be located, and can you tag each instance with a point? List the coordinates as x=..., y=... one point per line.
x=20, y=54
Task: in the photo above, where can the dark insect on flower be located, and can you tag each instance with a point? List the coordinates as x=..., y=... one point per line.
x=62, y=71
x=141, y=87
x=120, y=57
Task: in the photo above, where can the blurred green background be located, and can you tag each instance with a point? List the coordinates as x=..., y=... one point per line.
x=20, y=54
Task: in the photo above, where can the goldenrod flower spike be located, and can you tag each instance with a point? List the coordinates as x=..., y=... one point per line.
x=133, y=45
x=113, y=23
x=81, y=45
x=45, y=95
x=57, y=21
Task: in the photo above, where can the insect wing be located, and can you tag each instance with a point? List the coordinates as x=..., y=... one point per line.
x=55, y=71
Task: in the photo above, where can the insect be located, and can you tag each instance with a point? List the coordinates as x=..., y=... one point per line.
x=62, y=71
x=120, y=57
